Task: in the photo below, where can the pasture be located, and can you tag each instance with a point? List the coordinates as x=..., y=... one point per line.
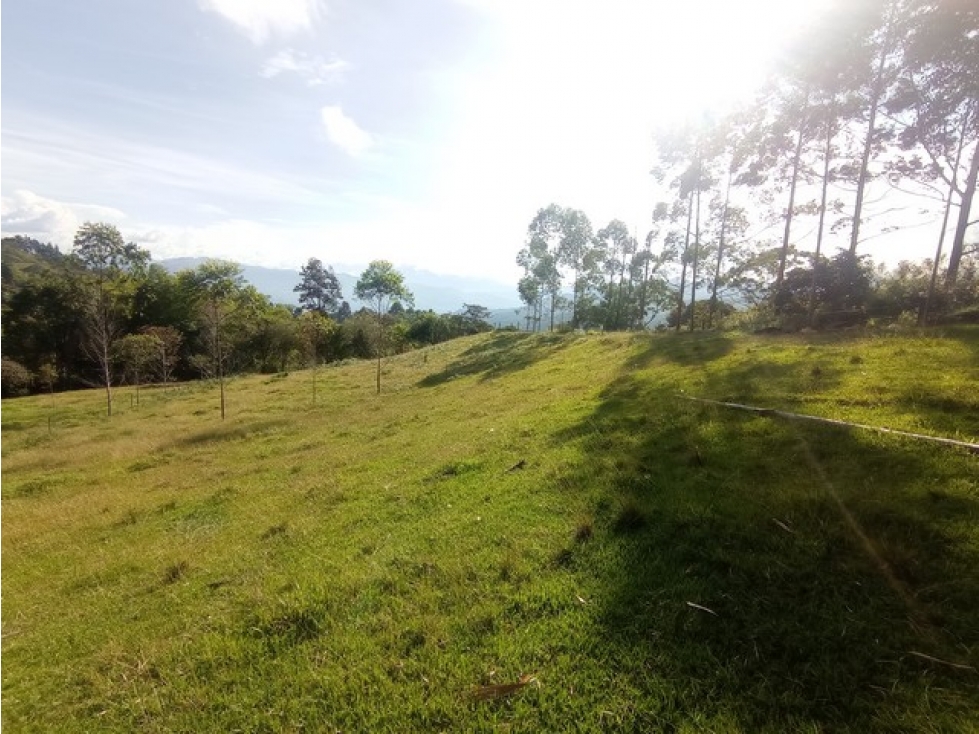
x=522, y=533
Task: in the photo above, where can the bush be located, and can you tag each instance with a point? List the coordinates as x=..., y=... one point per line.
x=15, y=379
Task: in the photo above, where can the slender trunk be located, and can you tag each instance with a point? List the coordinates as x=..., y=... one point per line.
x=104, y=335
x=221, y=385
x=827, y=153
x=641, y=316
x=137, y=387
x=610, y=298
x=877, y=92
x=379, y=343
x=220, y=354
x=923, y=320
x=627, y=320
x=696, y=262
x=106, y=368
x=683, y=260
x=574, y=300
x=620, y=294
x=958, y=241
x=784, y=254
x=720, y=253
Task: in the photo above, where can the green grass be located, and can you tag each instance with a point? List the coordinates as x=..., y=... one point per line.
x=511, y=505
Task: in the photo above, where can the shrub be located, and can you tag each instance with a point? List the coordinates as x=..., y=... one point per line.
x=15, y=379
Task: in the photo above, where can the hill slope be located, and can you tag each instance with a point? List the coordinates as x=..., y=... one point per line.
x=512, y=505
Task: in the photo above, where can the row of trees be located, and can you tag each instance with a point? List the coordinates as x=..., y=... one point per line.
x=614, y=283
x=106, y=314
x=874, y=118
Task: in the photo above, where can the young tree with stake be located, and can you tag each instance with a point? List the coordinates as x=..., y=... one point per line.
x=380, y=286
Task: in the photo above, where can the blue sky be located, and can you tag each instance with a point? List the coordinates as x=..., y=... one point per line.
x=425, y=132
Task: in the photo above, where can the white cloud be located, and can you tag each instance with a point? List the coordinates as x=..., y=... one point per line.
x=260, y=19
x=57, y=155
x=49, y=220
x=314, y=70
x=344, y=132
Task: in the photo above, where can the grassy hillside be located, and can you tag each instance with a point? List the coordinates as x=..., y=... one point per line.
x=543, y=508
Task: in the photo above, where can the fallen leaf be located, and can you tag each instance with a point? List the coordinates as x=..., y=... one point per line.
x=501, y=690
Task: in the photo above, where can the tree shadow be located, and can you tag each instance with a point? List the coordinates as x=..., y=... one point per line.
x=947, y=416
x=229, y=432
x=501, y=354
x=966, y=334
x=782, y=576
x=685, y=348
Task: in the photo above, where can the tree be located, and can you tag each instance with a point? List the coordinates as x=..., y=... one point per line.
x=541, y=261
x=875, y=33
x=102, y=250
x=136, y=352
x=107, y=258
x=618, y=245
x=940, y=87
x=43, y=323
x=315, y=331
x=15, y=379
x=576, y=238
x=168, y=353
x=212, y=285
x=319, y=290
x=379, y=286
x=475, y=318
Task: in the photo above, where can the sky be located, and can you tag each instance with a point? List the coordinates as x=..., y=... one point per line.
x=427, y=132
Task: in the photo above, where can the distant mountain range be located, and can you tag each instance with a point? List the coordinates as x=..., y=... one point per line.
x=440, y=293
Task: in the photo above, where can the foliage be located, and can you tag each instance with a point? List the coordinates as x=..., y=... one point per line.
x=16, y=378
x=319, y=290
x=843, y=287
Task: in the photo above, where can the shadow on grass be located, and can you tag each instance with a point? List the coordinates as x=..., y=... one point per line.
x=967, y=334
x=736, y=585
x=229, y=432
x=685, y=348
x=501, y=354
x=945, y=416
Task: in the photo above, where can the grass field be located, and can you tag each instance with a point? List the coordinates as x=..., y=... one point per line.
x=534, y=508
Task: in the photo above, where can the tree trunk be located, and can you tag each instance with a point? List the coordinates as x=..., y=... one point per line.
x=683, y=260
x=574, y=300
x=108, y=398
x=378, y=371
x=822, y=220
x=784, y=254
x=923, y=320
x=958, y=242
x=877, y=91
x=620, y=300
x=641, y=316
x=696, y=262
x=220, y=364
x=720, y=253
x=316, y=364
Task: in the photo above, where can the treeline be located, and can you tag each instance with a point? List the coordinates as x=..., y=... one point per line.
x=879, y=104
x=105, y=315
